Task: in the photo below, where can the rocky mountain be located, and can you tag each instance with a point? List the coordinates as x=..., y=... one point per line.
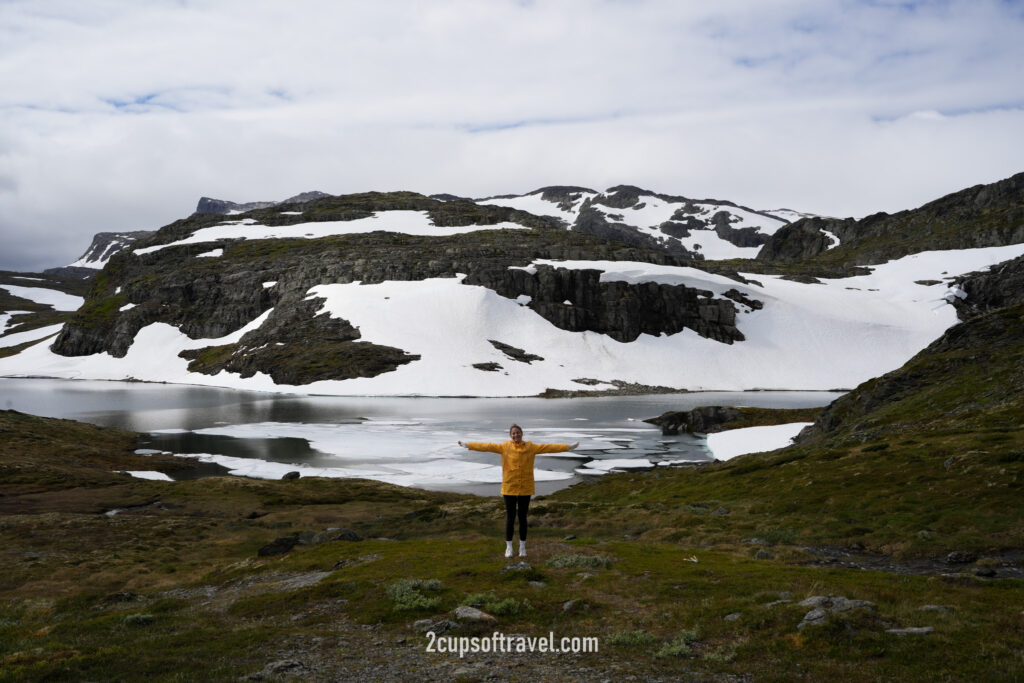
x=563, y=289
x=980, y=216
x=104, y=246
x=224, y=207
x=691, y=228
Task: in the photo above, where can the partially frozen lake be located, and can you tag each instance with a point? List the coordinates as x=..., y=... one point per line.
x=407, y=441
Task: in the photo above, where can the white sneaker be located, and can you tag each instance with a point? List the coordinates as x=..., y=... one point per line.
x=508, y=551
x=522, y=550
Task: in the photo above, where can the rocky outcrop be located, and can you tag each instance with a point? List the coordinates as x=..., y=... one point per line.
x=1001, y=285
x=798, y=241
x=594, y=222
x=296, y=346
x=105, y=244
x=577, y=300
x=704, y=420
x=740, y=237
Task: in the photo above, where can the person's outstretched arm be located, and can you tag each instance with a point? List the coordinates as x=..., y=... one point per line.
x=557, y=447
x=481, y=446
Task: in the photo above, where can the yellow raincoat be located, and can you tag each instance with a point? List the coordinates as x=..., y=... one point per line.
x=517, y=463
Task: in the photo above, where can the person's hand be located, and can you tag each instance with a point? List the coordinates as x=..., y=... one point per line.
x=574, y=446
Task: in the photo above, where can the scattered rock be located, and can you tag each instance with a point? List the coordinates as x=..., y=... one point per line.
x=570, y=537
x=473, y=615
x=720, y=511
x=831, y=604
x=815, y=617
x=763, y=554
x=934, y=608
x=912, y=631
x=517, y=567
x=573, y=605
x=538, y=584
x=422, y=625
x=338, y=535
x=776, y=603
x=291, y=475
x=279, y=669
x=985, y=572
x=255, y=515
x=755, y=541
x=279, y=546
x=733, y=617
x=961, y=557
x=122, y=596
x=815, y=601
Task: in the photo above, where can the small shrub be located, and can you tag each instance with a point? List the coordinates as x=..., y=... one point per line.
x=631, y=638
x=680, y=647
x=408, y=594
x=138, y=619
x=490, y=603
x=579, y=562
x=774, y=536
x=480, y=599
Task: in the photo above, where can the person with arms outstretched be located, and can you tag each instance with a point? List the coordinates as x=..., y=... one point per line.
x=517, y=478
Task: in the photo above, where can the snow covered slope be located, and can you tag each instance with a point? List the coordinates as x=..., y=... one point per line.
x=806, y=336
x=707, y=228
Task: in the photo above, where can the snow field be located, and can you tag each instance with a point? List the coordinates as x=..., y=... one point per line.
x=728, y=445
x=407, y=222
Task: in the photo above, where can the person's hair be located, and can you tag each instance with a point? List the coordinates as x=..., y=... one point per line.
x=515, y=426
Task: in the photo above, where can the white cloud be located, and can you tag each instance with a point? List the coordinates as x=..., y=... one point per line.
x=118, y=115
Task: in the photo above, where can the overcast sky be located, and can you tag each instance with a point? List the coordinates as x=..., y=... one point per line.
x=120, y=114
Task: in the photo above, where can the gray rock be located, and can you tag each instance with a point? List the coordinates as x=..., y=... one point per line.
x=985, y=572
x=473, y=615
x=520, y=566
x=339, y=535
x=961, y=557
x=815, y=617
x=841, y=604
x=570, y=537
x=912, y=631
x=815, y=601
x=763, y=554
x=444, y=626
x=291, y=475
x=934, y=608
x=573, y=605
x=733, y=616
x=422, y=625
x=538, y=584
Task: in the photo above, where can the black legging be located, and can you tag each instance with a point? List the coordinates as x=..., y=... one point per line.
x=511, y=503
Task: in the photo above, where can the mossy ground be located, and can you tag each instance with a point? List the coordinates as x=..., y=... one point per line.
x=172, y=588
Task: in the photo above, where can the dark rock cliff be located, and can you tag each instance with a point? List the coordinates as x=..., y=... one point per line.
x=1001, y=285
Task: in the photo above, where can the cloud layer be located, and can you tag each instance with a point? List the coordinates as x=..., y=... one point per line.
x=118, y=115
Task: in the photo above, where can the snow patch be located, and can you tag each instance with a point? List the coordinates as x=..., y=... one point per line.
x=48, y=297
x=406, y=222
x=728, y=445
